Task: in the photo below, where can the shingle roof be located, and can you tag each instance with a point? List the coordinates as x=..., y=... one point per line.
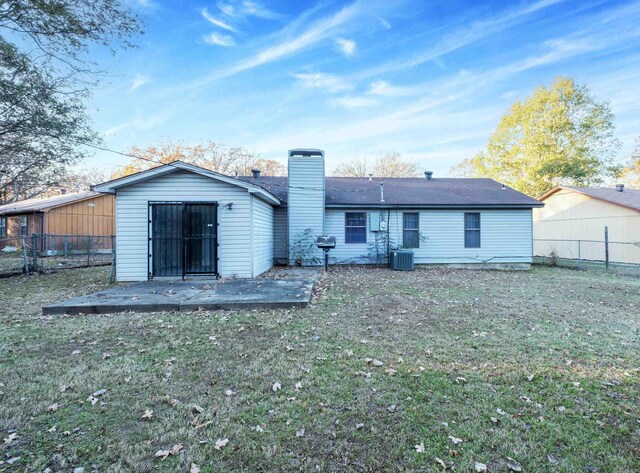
x=445, y=192
x=44, y=204
x=628, y=198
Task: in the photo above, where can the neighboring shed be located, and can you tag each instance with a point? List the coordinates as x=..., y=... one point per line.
x=86, y=213
x=580, y=214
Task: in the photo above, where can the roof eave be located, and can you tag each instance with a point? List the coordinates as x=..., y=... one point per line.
x=386, y=205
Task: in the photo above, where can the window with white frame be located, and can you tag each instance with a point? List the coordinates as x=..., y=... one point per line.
x=411, y=230
x=472, y=230
x=355, y=227
x=3, y=227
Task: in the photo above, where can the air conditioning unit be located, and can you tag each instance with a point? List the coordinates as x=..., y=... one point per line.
x=401, y=260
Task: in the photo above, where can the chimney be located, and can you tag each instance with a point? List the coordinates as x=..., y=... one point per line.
x=428, y=175
x=620, y=187
x=305, y=200
x=256, y=173
x=63, y=191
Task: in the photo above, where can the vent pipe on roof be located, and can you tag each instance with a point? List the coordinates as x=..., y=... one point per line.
x=382, y=193
x=256, y=173
x=370, y=177
x=63, y=191
x=620, y=187
x=428, y=175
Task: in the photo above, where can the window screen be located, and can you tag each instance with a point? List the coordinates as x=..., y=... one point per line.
x=411, y=230
x=355, y=227
x=472, y=230
x=3, y=227
x=23, y=225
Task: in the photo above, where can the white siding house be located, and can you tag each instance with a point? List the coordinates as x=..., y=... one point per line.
x=244, y=219
x=180, y=220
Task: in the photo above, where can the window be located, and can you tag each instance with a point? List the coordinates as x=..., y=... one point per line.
x=355, y=228
x=411, y=230
x=3, y=227
x=23, y=225
x=472, y=230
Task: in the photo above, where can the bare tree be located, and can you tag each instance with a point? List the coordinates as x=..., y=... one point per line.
x=384, y=165
x=210, y=155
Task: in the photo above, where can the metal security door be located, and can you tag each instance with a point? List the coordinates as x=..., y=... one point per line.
x=201, y=238
x=183, y=239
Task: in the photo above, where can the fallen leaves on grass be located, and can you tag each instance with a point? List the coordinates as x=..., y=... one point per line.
x=10, y=438
x=420, y=448
x=300, y=433
x=53, y=407
x=480, y=467
x=221, y=443
x=455, y=440
x=276, y=386
x=230, y=392
x=148, y=414
x=513, y=465
x=194, y=468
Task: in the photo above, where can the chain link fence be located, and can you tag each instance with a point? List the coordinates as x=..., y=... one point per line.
x=46, y=252
x=585, y=254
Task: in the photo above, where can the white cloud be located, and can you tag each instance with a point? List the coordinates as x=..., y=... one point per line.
x=256, y=9
x=214, y=21
x=355, y=102
x=347, y=46
x=385, y=24
x=462, y=37
x=324, y=81
x=290, y=41
x=219, y=40
x=384, y=88
x=139, y=80
x=114, y=130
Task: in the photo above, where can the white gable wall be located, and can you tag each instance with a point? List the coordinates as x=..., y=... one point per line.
x=132, y=229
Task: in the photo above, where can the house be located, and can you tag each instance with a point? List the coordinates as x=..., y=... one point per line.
x=179, y=219
x=572, y=223
x=86, y=213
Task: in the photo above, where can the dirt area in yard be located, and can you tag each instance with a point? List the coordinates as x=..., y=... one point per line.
x=385, y=371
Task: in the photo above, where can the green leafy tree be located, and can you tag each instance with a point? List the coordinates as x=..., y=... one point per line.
x=45, y=76
x=558, y=135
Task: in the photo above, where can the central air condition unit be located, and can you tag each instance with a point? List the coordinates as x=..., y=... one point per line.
x=401, y=260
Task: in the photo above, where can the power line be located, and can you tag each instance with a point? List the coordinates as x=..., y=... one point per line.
x=160, y=163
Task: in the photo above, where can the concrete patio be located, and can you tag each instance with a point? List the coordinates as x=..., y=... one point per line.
x=158, y=296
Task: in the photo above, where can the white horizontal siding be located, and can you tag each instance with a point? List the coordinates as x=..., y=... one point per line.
x=132, y=229
x=505, y=237
x=262, y=222
x=305, y=201
x=280, y=240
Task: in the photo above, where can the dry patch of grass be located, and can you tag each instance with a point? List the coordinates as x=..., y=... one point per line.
x=540, y=367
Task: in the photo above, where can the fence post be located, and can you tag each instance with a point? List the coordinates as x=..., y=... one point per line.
x=112, y=275
x=24, y=255
x=88, y=250
x=34, y=239
x=579, y=255
x=606, y=247
x=66, y=246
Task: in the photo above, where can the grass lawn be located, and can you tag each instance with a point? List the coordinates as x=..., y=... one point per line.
x=539, y=367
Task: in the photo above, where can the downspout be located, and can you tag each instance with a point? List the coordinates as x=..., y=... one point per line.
x=388, y=234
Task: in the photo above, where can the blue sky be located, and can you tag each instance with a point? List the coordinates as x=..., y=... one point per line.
x=427, y=79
